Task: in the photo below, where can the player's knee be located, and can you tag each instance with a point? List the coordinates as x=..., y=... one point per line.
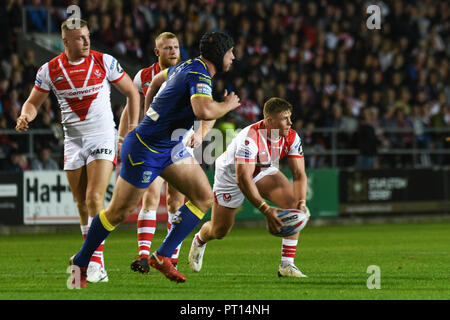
x=150, y=200
x=94, y=201
x=208, y=199
x=174, y=206
x=221, y=232
x=118, y=214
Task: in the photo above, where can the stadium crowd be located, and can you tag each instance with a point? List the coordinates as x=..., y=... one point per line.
x=319, y=55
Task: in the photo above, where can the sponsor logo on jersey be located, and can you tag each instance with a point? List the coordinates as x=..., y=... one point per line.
x=226, y=197
x=58, y=78
x=97, y=73
x=203, y=88
x=119, y=67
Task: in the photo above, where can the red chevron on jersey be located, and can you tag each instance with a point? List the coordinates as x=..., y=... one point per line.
x=81, y=79
x=81, y=107
x=83, y=91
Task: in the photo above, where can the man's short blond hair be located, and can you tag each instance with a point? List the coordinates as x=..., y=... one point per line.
x=165, y=35
x=275, y=106
x=73, y=23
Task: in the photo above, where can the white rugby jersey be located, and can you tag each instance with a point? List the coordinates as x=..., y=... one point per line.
x=82, y=90
x=144, y=76
x=253, y=145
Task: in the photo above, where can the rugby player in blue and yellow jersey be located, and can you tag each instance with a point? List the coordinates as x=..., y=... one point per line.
x=176, y=97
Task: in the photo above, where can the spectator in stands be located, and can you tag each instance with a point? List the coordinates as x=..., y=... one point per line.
x=300, y=50
x=367, y=140
x=248, y=112
x=44, y=161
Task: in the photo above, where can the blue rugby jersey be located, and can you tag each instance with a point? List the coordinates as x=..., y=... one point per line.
x=171, y=108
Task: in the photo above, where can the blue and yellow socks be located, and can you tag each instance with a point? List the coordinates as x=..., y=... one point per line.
x=182, y=225
x=99, y=230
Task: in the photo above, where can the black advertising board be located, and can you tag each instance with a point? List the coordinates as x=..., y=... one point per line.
x=11, y=198
x=393, y=191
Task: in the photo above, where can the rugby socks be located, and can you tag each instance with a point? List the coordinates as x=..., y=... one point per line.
x=198, y=240
x=182, y=224
x=146, y=226
x=176, y=253
x=100, y=229
x=288, y=250
x=97, y=256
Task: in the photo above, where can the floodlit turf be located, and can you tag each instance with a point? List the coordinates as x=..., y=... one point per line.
x=414, y=262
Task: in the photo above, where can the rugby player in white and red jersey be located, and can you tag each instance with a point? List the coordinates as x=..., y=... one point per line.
x=249, y=168
x=167, y=49
x=80, y=78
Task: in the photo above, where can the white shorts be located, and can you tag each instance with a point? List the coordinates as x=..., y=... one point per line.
x=229, y=194
x=80, y=151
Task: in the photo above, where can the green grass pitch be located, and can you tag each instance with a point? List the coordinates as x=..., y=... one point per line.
x=414, y=262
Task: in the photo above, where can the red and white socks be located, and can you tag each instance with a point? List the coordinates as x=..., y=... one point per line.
x=288, y=250
x=198, y=240
x=146, y=226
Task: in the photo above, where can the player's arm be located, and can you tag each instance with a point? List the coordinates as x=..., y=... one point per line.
x=196, y=139
x=244, y=172
x=128, y=89
x=205, y=108
x=154, y=87
x=123, y=124
x=30, y=109
x=300, y=179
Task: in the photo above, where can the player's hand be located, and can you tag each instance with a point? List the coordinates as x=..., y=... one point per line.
x=194, y=141
x=273, y=222
x=305, y=209
x=231, y=100
x=22, y=123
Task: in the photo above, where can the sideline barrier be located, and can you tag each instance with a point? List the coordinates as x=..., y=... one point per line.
x=394, y=191
x=44, y=197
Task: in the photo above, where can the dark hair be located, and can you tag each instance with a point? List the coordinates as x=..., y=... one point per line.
x=214, y=45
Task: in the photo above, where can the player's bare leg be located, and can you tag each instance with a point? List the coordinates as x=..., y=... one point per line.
x=78, y=182
x=98, y=176
x=146, y=225
x=277, y=189
x=222, y=221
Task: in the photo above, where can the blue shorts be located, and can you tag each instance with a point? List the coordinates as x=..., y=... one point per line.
x=141, y=164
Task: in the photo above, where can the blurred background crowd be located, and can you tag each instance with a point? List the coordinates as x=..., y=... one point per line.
x=319, y=55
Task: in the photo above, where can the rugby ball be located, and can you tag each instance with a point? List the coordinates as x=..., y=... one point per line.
x=293, y=220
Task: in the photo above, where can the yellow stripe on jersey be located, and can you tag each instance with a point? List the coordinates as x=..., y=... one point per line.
x=104, y=220
x=204, y=64
x=202, y=74
x=199, y=213
x=152, y=150
x=201, y=95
